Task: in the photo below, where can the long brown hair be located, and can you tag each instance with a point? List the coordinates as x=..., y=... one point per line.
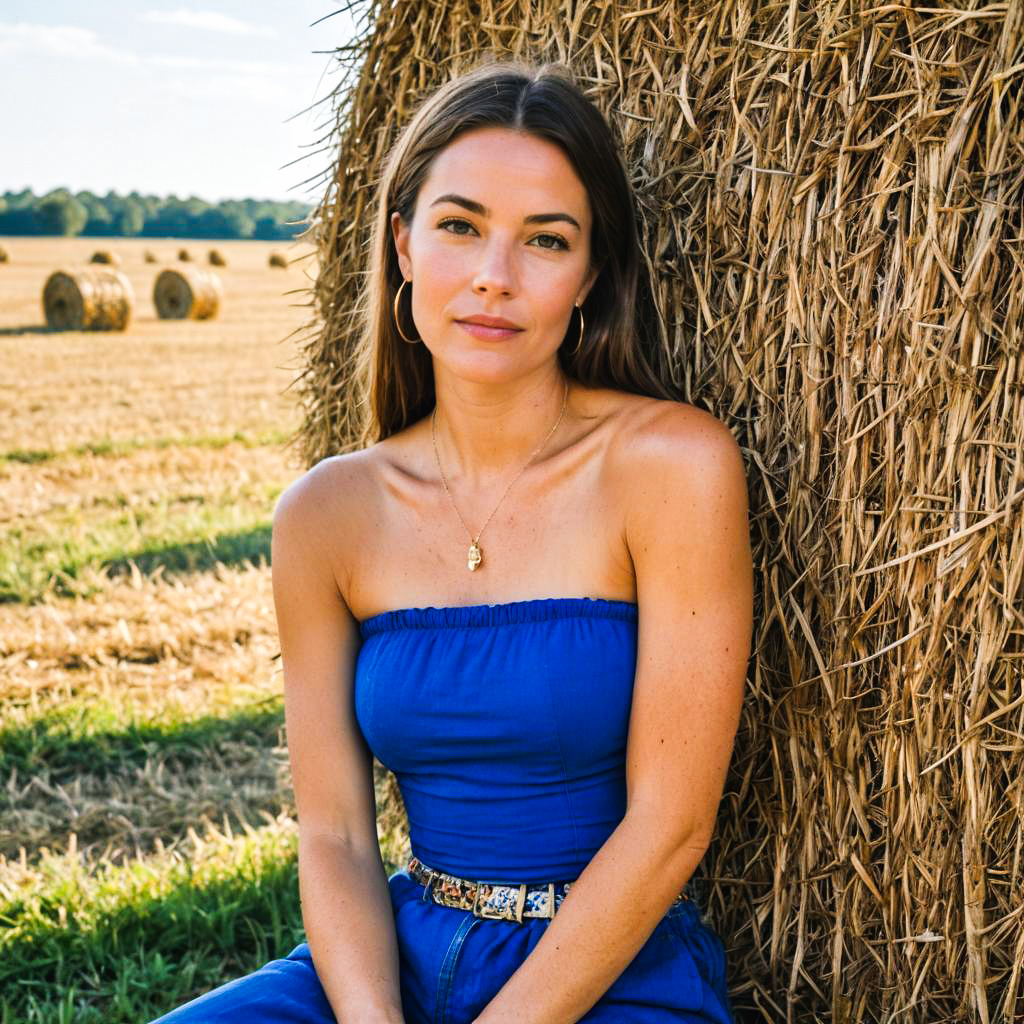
x=619, y=349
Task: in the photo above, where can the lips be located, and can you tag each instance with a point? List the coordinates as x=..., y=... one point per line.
x=489, y=321
x=485, y=332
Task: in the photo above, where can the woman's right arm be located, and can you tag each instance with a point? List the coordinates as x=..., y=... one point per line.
x=346, y=906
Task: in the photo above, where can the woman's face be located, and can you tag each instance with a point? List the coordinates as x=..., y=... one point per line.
x=472, y=249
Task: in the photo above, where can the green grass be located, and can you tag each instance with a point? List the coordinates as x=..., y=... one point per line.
x=114, y=449
x=97, y=739
x=182, y=533
x=120, y=945
x=124, y=945
x=124, y=778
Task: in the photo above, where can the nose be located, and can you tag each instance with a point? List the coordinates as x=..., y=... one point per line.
x=495, y=271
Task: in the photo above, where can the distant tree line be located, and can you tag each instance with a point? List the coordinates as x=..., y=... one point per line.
x=61, y=212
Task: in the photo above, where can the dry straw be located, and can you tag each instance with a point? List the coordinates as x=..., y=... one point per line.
x=88, y=299
x=107, y=257
x=187, y=293
x=830, y=200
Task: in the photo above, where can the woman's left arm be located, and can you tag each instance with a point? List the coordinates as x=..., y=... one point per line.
x=688, y=535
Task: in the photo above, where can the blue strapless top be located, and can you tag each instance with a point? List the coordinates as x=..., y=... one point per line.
x=505, y=726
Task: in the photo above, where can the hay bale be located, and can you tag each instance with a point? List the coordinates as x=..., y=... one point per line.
x=216, y=258
x=106, y=256
x=184, y=256
x=187, y=293
x=277, y=260
x=866, y=857
x=149, y=257
x=88, y=299
x=3, y=255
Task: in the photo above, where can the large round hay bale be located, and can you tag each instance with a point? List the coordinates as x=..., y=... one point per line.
x=149, y=257
x=277, y=260
x=216, y=258
x=187, y=293
x=106, y=256
x=88, y=299
x=3, y=255
x=184, y=256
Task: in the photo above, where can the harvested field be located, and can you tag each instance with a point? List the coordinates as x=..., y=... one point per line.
x=159, y=380
x=185, y=668
x=149, y=823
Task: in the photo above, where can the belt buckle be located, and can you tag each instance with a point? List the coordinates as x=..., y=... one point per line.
x=507, y=907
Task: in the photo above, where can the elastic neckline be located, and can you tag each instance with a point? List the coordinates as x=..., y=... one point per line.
x=505, y=614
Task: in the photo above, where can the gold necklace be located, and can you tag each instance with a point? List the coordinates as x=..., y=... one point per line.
x=475, y=555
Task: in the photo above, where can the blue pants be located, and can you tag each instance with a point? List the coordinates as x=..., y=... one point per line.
x=452, y=964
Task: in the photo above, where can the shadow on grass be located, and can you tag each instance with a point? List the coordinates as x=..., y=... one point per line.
x=28, y=456
x=7, y=332
x=120, y=448
x=147, y=954
x=250, y=546
x=232, y=549
x=67, y=744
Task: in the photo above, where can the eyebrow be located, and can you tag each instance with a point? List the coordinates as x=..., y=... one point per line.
x=478, y=208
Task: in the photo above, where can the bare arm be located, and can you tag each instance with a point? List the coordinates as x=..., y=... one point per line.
x=346, y=907
x=688, y=536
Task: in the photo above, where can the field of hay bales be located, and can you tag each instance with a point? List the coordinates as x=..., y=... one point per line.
x=148, y=835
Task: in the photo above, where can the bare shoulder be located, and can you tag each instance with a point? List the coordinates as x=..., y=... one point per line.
x=654, y=433
x=317, y=496
x=673, y=458
x=320, y=512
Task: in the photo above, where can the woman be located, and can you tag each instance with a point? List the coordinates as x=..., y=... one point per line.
x=558, y=696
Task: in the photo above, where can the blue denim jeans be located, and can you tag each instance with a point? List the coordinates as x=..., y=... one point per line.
x=452, y=964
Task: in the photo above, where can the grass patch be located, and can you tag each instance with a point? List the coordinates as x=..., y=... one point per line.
x=81, y=775
x=119, y=945
x=233, y=549
x=122, y=945
x=115, y=449
x=75, y=739
x=181, y=533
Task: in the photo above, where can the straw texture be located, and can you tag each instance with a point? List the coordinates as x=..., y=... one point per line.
x=92, y=298
x=830, y=200
x=187, y=293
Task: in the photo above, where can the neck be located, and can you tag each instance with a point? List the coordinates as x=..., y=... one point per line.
x=486, y=433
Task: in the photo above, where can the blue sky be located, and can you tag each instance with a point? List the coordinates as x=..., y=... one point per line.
x=161, y=98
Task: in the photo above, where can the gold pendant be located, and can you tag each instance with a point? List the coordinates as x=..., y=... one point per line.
x=475, y=557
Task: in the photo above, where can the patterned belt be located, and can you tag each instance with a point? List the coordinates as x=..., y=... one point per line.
x=493, y=900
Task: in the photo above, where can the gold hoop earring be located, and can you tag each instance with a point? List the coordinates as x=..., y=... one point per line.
x=579, y=341
x=412, y=341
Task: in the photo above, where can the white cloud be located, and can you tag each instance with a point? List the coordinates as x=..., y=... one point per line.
x=210, y=21
x=242, y=67
x=63, y=41
x=226, y=87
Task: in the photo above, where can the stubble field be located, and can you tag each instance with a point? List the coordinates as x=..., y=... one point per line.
x=147, y=826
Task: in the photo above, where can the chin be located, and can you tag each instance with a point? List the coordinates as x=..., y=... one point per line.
x=486, y=368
